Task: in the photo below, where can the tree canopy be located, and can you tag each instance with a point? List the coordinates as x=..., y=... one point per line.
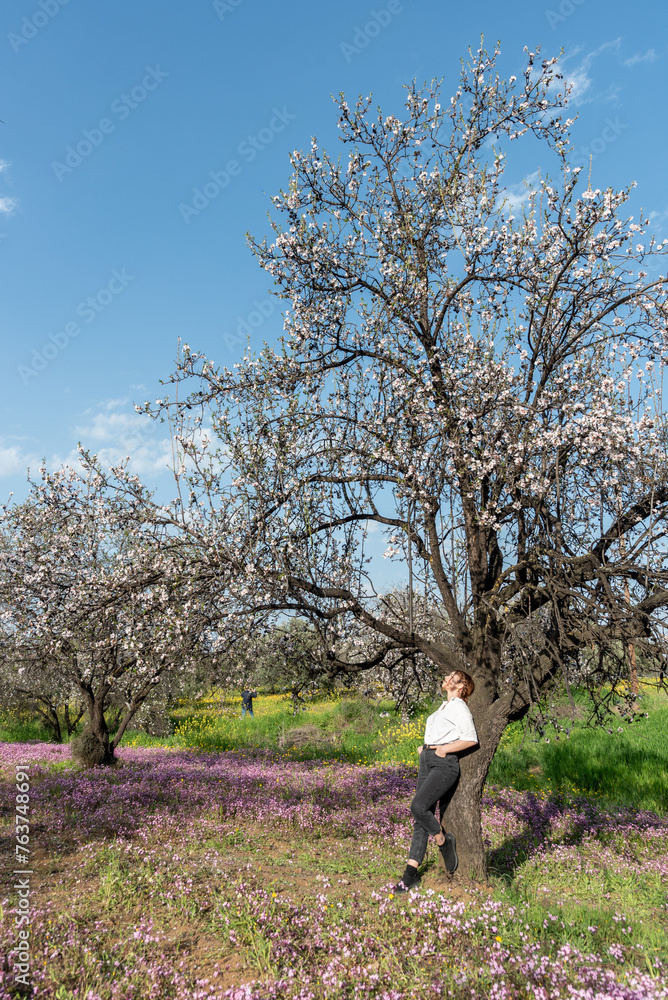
x=92, y=601
x=482, y=380
x=473, y=374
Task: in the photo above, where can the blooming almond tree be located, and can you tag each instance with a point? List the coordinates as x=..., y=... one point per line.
x=91, y=603
x=32, y=685
x=476, y=375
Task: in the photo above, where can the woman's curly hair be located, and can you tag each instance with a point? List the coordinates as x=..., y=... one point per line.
x=468, y=687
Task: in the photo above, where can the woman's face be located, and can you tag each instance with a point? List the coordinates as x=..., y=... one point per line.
x=452, y=683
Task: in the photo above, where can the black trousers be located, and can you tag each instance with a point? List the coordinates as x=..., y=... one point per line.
x=437, y=777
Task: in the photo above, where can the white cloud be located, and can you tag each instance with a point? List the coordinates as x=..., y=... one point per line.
x=658, y=218
x=579, y=78
x=13, y=461
x=116, y=432
x=113, y=432
x=649, y=57
x=514, y=197
x=659, y=228
x=7, y=205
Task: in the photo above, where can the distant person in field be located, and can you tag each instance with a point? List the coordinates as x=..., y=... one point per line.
x=448, y=732
x=247, y=703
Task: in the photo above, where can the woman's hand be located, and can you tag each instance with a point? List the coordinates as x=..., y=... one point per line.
x=420, y=749
x=441, y=751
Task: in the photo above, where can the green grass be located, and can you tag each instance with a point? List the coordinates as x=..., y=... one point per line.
x=338, y=728
x=591, y=927
x=572, y=893
x=625, y=767
x=19, y=727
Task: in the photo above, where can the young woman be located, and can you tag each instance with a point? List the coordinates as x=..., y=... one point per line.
x=449, y=731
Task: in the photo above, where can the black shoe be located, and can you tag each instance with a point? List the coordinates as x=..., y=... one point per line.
x=448, y=851
x=405, y=883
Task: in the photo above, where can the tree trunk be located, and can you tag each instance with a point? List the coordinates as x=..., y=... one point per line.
x=125, y=721
x=133, y=708
x=49, y=714
x=101, y=731
x=98, y=726
x=461, y=813
x=462, y=818
x=72, y=721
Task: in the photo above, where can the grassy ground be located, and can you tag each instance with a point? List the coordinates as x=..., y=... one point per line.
x=344, y=728
x=185, y=874
x=624, y=763
x=253, y=859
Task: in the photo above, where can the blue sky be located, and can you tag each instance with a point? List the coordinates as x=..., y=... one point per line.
x=116, y=114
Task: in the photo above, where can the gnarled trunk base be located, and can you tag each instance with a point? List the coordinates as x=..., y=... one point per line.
x=461, y=813
x=461, y=817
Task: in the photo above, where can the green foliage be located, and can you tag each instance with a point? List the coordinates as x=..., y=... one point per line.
x=18, y=726
x=359, y=713
x=625, y=764
x=343, y=729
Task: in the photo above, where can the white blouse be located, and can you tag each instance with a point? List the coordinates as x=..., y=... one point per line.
x=451, y=722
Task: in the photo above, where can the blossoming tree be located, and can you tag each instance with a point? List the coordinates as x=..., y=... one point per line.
x=483, y=386
x=92, y=601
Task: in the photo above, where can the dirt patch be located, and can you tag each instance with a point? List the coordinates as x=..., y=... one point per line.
x=304, y=736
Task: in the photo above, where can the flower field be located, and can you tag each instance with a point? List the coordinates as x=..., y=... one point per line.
x=193, y=874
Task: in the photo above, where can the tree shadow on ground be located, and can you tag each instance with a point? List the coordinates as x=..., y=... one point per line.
x=581, y=816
